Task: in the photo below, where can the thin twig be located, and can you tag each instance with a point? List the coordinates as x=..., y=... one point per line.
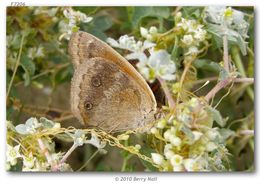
x=167, y=93
x=225, y=55
x=87, y=162
x=16, y=67
x=246, y=132
x=186, y=68
x=239, y=64
x=218, y=87
x=64, y=158
x=72, y=148
x=244, y=80
x=44, y=150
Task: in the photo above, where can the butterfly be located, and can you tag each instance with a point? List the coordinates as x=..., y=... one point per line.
x=107, y=92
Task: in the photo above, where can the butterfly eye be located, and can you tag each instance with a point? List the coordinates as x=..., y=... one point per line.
x=96, y=81
x=88, y=105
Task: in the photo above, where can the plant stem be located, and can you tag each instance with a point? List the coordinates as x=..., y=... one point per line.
x=16, y=67
x=217, y=88
x=72, y=148
x=87, y=162
x=167, y=92
x=45, y=151
x=225, y=55
x=186, y=68
x=238, y=61
x=246, y=132
x=244, y=80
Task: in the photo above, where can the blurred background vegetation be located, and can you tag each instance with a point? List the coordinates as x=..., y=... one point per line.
x=41, y=84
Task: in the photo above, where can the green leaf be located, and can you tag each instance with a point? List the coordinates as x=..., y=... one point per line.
x=226, y=133
x=102, y=22
x=98, y=33
x=26, y=78
x=87, y=10
x=216, y=116
x=47, y=123
x=21, y=129
x=28, y=67
x=64, y=137
x=233, y=37
x=147, y=151
x=239, y=41
x=141, y=12
x=192, y=12
x=206, y=64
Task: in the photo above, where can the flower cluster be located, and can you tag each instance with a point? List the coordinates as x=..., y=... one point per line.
x=150, y=34
x=189, y=146
x=193, y=34
x=227, y=17
x=69, y=25
x=32, y=156
x=158, y=64
x=79, y=138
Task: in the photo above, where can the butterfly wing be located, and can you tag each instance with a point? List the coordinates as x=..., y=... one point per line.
x=104, y=96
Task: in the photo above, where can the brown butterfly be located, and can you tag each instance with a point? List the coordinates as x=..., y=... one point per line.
x=106, y=90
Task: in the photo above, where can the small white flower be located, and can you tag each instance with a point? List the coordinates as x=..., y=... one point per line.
x=138, y=147
x=210, y=146
x=176, y=141
x=160, y=62
x=95, y=141
x=129, y=43
x=79, y=137
x=148, y=34
x=167, y=134
x=161, y=124
x=154, y=130
x=193, y=50
x=212, y=134
x=153, y=30
x=176, y=160
x=28, y=161
x=197, y=135
x=189, y=164
x=74, y=17
x=200, y=34
x=187, y=40
x=168, y=147
x=169, y=154
x=144, y=32
x=157, y=158
x=12, y=154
